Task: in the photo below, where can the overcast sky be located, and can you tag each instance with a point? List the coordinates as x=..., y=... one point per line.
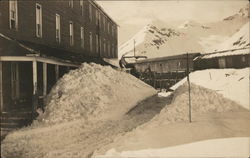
x=133, y=15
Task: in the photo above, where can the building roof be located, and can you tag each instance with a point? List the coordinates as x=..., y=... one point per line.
x=191, y=55
x=101, y=9
x=233, y=52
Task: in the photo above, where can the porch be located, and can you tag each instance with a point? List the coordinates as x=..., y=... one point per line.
x=24, y=83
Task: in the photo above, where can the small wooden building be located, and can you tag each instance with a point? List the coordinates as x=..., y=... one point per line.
x=236, y=58
x=163, y=72
x=167, y=64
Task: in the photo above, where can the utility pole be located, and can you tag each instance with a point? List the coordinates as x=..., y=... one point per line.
x=189, y=91
x=134, y=47
x=98, y=35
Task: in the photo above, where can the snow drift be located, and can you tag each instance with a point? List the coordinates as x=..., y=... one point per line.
x=203, y=101
x=93, y=92
x=226, y=147
x=231, y=83
x=213, y=114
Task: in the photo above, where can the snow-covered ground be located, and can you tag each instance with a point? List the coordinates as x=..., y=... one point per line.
x=231, y=83
x=226, y=147
x=217, y=112
x=92, y=110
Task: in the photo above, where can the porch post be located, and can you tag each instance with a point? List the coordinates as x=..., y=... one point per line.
x=35, y=95
x=44, y=80
x=57, y=72
x=1, y=85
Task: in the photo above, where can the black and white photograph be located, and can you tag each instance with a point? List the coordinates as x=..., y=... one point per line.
x=125, y=78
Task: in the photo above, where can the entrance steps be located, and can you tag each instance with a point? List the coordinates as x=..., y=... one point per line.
x=12, y=120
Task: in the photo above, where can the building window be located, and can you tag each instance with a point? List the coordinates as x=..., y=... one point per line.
x=58, y=28
x=113, y=50
x=38, y=20
x=109, y=49
x=71, y=3
x=97, y=43
x=108, y=26
x=243, y=59
x=96, y=17
x=13, y=14
x=82, y=9
x=71, y=33
x=82, y=37
x=90, y=12
x=112, y=30
x=100, y=45
x=99, y=19
x=115, y=30
x=90, y=42
x=104, y=46
x=104, y=23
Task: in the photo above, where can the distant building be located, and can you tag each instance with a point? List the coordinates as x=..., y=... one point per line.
x=164, y=72
x=236, y=58
x=42, y=40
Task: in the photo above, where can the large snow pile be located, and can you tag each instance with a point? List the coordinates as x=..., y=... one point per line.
x=202, y=101
x=231, y=83
x=83, y=113
x=225, y=147
x=93, y=92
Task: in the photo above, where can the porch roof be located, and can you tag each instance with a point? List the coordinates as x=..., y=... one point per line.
x=25, y=50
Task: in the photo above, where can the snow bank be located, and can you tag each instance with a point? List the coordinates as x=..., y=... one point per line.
x=231, y=83
x=213, y=114
x=226, y=147
x=93, y=92
x=83, y=113
x=203, y=101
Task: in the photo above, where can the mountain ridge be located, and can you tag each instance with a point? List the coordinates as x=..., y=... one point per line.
x=160, y=39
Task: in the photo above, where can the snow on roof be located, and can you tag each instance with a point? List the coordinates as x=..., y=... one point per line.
x=173, y=57
x=243, y=51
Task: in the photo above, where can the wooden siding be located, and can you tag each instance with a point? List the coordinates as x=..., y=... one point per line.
x=235, y=61
x=27, y=25
x=166, y=64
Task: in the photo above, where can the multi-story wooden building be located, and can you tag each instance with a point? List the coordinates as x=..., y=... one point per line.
x=41, y=40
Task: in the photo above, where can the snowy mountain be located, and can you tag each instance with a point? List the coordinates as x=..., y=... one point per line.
x=243, y=12
x=239, y=40
x=150, y=36
x=159, y=39
x=190, y=24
